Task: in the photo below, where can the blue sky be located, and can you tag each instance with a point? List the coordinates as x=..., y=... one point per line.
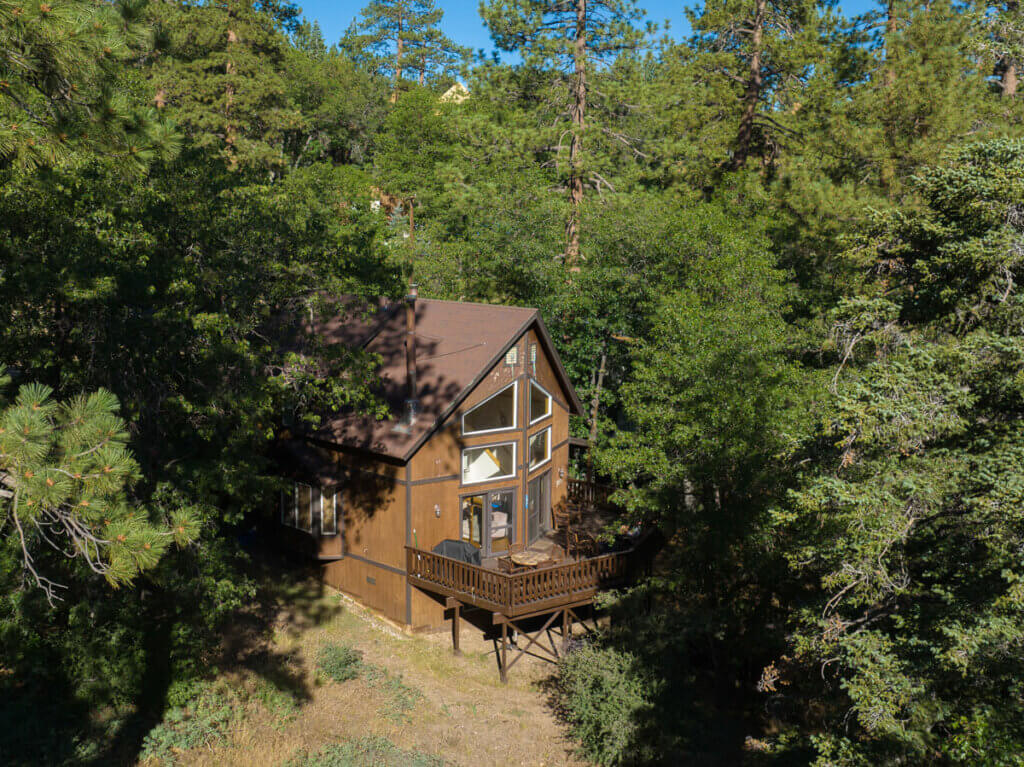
x=462, y=22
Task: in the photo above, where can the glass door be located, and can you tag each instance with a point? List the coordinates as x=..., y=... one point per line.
x=488, y=520
x=538, y=506
x=500, y=520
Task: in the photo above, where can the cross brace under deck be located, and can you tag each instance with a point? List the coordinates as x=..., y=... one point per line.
x=566, y=614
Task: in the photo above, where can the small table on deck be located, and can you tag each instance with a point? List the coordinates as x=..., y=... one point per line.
x=531, y=559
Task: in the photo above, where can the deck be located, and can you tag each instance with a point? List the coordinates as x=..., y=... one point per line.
x=517, y=595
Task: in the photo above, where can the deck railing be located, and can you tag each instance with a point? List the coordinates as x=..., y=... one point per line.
x=588, y=493
x=514, y=594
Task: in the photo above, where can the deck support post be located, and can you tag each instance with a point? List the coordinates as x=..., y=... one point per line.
x=566, y=630
x=455, y=606
x=504, y=649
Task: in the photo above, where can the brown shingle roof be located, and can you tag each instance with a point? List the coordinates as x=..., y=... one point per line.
x=456, y=344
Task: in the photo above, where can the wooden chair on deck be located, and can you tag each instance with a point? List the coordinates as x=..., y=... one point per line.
x=505, y=563
x=582, y=544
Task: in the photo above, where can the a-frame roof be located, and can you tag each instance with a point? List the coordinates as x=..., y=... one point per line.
x=457, y=344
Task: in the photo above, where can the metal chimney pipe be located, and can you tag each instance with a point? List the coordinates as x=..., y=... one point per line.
x=412, y=403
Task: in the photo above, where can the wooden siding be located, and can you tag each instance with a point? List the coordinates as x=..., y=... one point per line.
x=378, y=494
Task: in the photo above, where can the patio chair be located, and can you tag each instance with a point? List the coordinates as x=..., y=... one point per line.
x=582, y=544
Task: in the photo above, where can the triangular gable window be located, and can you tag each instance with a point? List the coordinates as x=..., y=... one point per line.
x=496, y=413
x=540, y=403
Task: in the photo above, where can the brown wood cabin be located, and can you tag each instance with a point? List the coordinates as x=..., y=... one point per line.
x=476, y=450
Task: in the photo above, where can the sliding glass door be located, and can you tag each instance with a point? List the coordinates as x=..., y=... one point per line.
x=538, y=506
x=488, y=520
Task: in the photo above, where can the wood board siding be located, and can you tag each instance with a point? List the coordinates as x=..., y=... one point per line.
x=387, y=506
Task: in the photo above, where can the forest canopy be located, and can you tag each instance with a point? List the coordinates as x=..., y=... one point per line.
x=780, y=257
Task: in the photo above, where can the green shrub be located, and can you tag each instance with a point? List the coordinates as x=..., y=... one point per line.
x=364, y=752
x=340, y=662
x=205, y=721
x=401, y=697
x=605, y=697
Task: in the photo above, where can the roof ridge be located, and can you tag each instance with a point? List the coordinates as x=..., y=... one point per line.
x=475, y=303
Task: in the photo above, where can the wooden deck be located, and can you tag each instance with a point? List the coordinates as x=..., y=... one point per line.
x=516, y=595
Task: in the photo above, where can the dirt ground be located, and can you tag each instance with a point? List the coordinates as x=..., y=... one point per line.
x=462, y=712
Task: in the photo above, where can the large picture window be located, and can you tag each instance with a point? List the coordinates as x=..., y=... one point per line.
x=481, y=464
x=540, y=403
x=329, y=512
x=540, y=448
x=310, y=509
x=496, y=413
x=304, y=507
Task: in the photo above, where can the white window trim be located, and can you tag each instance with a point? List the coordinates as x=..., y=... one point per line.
x=515, y=412
x=334, y=509
x=551, y=404
x=462, y=464
x=532, y=437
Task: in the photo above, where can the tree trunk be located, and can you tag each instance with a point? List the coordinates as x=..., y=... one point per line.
x=890, y=39
x=578, y=111
x=887, y=171
x=752, y=92
x=399, y=43
x=1009, y=81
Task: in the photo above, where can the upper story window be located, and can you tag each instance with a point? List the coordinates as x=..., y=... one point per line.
x=495, y=413
x=540, y=403
x=540, y=448
x=488, y=462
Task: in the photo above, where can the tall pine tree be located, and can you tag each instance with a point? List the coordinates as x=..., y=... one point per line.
x=399, y=36
x=572, y=38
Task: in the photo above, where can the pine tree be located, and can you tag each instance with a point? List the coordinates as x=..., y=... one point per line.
x=64, y=472
x=431, y=54
x=224, y=80
x=398, y=36
x=765, y=50
x=572, y=38
x=62, y=88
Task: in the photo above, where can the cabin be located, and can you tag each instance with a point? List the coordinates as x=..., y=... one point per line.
x=463, y=498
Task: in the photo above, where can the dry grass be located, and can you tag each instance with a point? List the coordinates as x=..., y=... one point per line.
x=463, y=713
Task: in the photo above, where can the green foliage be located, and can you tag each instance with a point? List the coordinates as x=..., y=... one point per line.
x=204, y=722
x=340, y=662
x=364, y=752
x=64, y=86
x=396, y=37
x=65, y=469
x=909, y=526
x=809, y=323
x=401, y=698
x=606, y=696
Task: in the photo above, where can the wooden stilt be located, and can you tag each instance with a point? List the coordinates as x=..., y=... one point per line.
x=504, y=656
x=455, y=606
x=566, y=629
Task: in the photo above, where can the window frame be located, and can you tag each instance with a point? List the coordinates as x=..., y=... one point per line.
x=529, y=441
x=312, y=521
x=515, y=412
x=334, y=509
x=486, y=538
x=498, y=478
x=317, y=502
x=529, y=404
